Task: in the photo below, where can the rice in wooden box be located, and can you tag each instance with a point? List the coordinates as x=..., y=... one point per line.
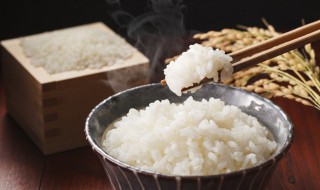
x=50, y=102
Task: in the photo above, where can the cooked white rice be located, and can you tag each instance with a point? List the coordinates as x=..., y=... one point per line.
x=76, y=49
x=194, y=65
x=192, y=138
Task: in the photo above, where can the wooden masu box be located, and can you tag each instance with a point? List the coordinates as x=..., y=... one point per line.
x=52, y=109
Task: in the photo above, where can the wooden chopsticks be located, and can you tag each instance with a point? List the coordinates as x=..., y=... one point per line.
x=275, y=46
x=268, y=49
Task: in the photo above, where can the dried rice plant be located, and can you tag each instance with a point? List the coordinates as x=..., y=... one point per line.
x=293, y=75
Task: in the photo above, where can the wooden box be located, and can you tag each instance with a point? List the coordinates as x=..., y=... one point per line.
x=52, y=108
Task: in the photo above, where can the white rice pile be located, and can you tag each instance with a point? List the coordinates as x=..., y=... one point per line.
x=196, y=64
x=192, y=138
x=76, y=49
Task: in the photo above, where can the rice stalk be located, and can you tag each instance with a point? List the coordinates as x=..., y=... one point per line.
x=294, y=75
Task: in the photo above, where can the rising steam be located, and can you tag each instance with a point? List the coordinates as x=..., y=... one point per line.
x=158, y=32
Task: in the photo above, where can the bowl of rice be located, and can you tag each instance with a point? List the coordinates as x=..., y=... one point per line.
x=219, y=137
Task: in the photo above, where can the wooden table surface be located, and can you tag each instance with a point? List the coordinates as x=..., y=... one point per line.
x=23, y=166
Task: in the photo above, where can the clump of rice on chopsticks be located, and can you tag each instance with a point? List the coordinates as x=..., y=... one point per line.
x=196, y=64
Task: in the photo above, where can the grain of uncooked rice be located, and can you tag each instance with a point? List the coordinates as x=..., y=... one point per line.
x=76, y=49
x=192, y=138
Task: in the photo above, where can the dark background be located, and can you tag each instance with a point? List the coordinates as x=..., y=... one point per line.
x=24, y=17
x=158, y=28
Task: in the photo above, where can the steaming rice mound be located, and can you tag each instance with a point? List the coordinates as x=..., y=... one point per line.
x=76, y=49
x=192, y=138
x=196, y=64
